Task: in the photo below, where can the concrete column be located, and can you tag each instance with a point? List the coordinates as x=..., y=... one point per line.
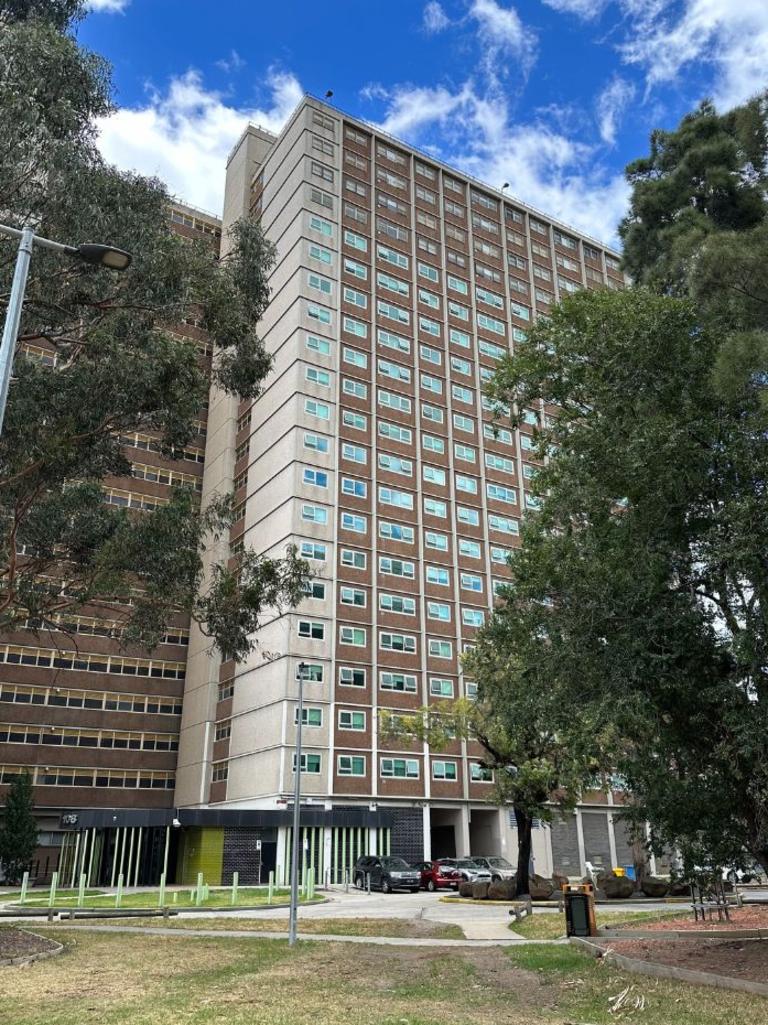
x=462, y=839
x=427, y=825
x=612, y=840
x=580, y=837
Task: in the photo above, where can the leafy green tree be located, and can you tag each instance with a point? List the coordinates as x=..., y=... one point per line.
x=119, y=368
x=639, y=593
x=18, y=831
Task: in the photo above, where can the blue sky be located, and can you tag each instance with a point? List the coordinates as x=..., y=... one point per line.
x=552, y=96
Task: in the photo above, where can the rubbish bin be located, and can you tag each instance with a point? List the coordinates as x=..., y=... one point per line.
x=579, y=909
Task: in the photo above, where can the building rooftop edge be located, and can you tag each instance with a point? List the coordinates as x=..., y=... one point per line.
x=175, y=201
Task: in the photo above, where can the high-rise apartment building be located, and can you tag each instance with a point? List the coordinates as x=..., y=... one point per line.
x=399, y=284
x=95, y=724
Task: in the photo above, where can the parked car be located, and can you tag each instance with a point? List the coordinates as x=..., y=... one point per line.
x=387, y=874
x=438, y=875
x=499, y=868
x=469, y=870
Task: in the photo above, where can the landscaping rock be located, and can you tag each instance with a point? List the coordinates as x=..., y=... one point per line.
x=465, y=889
x=541, y=888
x=654, y=887
x=616, y=887
x=504, y=889
x=559, y=881
x=480, y=891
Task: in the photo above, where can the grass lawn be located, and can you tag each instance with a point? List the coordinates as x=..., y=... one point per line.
x=39, y=896
x=550, y=926
x=328, y=926
x=183, y=980
x=246, y=897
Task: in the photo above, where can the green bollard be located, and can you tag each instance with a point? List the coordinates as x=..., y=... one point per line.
x=119, y=894
x=311, y=886
x=304, y=880
x=235, y=881
x=81, y=891
x=199, y=890
x=52, y=894
x=271, y=887
x=24, y=885
x=161, y=898
x=175, y=896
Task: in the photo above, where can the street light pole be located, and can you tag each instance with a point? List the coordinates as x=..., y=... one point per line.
x=294, y=911
x=90, y=252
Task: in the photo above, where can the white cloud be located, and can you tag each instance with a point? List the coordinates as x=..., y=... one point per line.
x=185, y=134
x=586, y=9
x=107, y=6
x=729, y=35
x=503, y=34
x=611, y=104
x=435, y=18
x=474, y=130
x=234, y=62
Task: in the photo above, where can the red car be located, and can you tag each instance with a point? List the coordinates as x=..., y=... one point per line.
x=437, y=876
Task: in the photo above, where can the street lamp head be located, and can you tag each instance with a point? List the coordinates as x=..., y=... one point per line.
x=102, y=256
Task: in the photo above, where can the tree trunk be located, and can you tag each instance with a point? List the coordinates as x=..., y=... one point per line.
x=524, y=823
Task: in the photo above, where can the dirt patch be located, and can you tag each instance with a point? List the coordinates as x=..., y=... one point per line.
x=740, y=918
x=740, y=959
x=20, y=943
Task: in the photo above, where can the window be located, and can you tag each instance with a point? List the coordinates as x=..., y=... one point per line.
x=396, y=532
x=494, y=462
x=437, y=541
x=520, y=311
x=433, y=474
x=393, y=341
x=357, y=524
x=355, y=327
x=321, y=345
x=321, y=225
x=350, y=765
x=430, y=355
x=505, y=524
x=429, y=299
x=432, y=384
x=432, y=413
x=397, y=642
x=356, y=241
x=319, y=409
x=461, y=366
x=349, y=677
x=359, y=270
x=394, y=370
x=309, y=717
x=463, y=423
x=480, y=773
x=316, y=376
x=457, y=284
x=501, y=494
x=439, y=610
x=318, y=313
x=353, y=635
x=397, y=603
x=398, y=499
x=470, y=517
x=392, y=256
x=439, y=648
x=432, y=444
x=500, y=434
x=309, y=628
x=324, y=285
x=432, y=507
x=438, y=575
x=399, y=768
x=313, y=673
x=317, y=478
x=355, y=358
x=465, y=452
x=314, y=513
x=440, y=687
x=472, y=617
x=457, y=310
x=352, y=596
x=312, y=550
x=309, y=764
x=469, y=548
x=393, y=284
x=355, y=187
x=351, y=295
x=490, y=323
x=355, y=453
x=393, y=312
x=395, y=432
x=354, y=420
x=444, y=770
x=470, y=582
x=428, y=326
x=489, y=349
x=320, y=253
x=395, y=464
x=355, y=389
x=353, y=559
x=396, y=567
x=462, y=394
x=459, y=337
x=355, y=488
x=404, y=682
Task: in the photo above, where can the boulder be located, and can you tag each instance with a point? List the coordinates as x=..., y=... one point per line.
x=679, y=888
x=541, y=888
x=559, y=881
x=616, y=887
x=480, y=891
x=654, y=887
x=465, y=889
x=504, y=889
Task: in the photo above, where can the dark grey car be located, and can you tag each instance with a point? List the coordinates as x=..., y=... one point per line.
x=387, y=874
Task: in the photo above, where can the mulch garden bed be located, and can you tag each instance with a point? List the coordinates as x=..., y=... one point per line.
x=18, y=943
x=741, y=918
x=739, y=959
